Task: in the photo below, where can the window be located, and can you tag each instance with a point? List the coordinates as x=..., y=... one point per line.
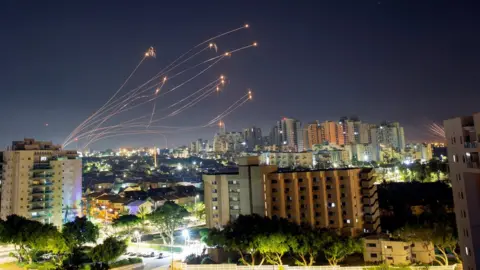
x=43, y=158
x=414, y=255
x=455, y=158
x=331, y=222
x=388, y=247
x=315, y=179
x=288, y=181
x=317, y=214
x=287, y=190
x=467, y=251
x=329, y=187
x=348, y=221
x=316, y=187
x=373, y=255
x=317, y=205
x=274, y=190
x=342, y=186
x=302, y=198
x=343, y=195
x=274, y=199
x=371, y=245
x=302, y=188
x=215, y=208
x=341, y=177
x=300, y=180
x=315, y=196
x=274, y=181
x=330, y=214
x=329, y=195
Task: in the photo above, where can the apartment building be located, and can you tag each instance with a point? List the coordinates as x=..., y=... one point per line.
x=343, y=199
x=228, y=195
x=382, y=249
x=41, y=181
x=463, y=136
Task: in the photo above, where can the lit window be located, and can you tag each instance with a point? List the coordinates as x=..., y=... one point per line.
x=466, y=251
x=348, y=221
x=43, y=158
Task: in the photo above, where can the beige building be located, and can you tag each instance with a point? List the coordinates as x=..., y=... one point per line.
x=228, y=195
x=41, y=182
x=344, y=199
x=288, y=159
x=378, y=249
x=463, y=136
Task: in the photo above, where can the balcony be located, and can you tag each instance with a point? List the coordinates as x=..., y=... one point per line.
x=39, y=200
x=41, y=191
x=42, y=176
x=473, y=165
x=42, y=167
x=470, y=144
x=41, y=184
x=40, y=208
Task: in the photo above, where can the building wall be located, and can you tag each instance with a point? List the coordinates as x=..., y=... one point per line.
x=462, y=136
x=324, y=199
x=397, y=252
x=37, y=185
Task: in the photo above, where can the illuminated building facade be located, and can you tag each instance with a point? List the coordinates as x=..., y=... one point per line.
x=41, y=182
x=343, y=199
x=463, y=148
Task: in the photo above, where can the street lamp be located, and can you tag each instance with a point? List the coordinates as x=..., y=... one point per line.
x=138, y=237
x=186, y=235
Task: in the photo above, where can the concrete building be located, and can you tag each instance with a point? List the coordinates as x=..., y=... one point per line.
x=228, y=195
x=312, y=135
x=287, y=159
x=228, y=142
x=388, y=134
x=348, y=130
x=382, y=249
x=463, y=135
x=332, y=132
x=290, y=134
x=343, y=199
x=253, y=137
x=41, y=181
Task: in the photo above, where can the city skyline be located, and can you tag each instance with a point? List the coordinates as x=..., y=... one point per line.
x=379, y=60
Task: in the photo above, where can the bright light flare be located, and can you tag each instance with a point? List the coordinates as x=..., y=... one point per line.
x=247, y=25
x=227, y=54
x=255, y=44
x=164, y=79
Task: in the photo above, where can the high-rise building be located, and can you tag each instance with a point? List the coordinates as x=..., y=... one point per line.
x=228, y=195
x=253, y=137
x=463, y=137
x=291, y=134
x=388, y=134
x=344, y=199
x=312, y=135
x=274, y=136
x=332, y=132
x=41, y=181
x=348, y=130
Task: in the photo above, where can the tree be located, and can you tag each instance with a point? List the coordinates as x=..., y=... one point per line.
x=108, y=251
x=307, y=244
x=126, y=221
x=142, y=212
x=337, y=248
x=272, y=247
x=30, y=237
x=197, y=210
x=168, y=217
x=80, y=231
x=442, y=236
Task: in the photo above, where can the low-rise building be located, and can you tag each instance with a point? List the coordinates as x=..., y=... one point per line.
x=382, y=249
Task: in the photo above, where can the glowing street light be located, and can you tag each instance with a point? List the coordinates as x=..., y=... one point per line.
x=186, y=235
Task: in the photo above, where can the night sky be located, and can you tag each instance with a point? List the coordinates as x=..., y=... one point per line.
x=415, y=62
